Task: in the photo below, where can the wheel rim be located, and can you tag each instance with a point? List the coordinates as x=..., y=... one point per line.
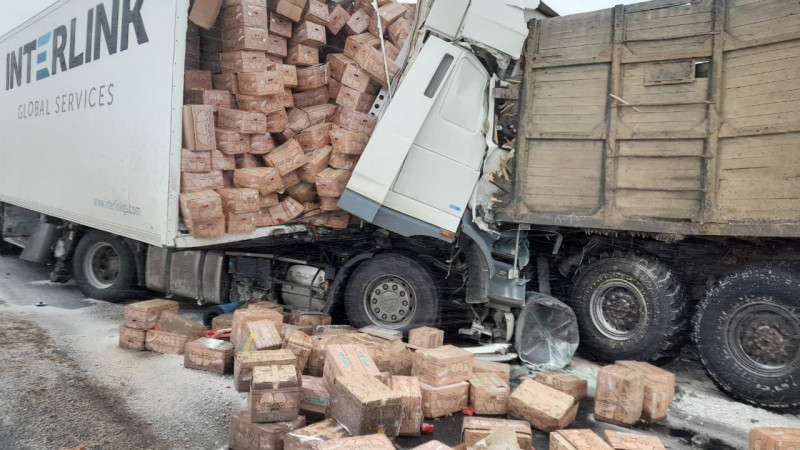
x=390, y=301
x=101, y=265
x=617, y=309
x=764, y=337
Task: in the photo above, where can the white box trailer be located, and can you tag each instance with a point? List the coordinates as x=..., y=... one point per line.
x=90, y=118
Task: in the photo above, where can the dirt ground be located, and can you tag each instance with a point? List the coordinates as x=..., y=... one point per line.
x=65, y=382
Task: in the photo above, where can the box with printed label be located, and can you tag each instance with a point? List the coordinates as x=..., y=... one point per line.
x=211, y=355
x=474, y=429
x=438, y=401
x=442, y=365
x=274, y=394
x=246, y=435
x=364, y=405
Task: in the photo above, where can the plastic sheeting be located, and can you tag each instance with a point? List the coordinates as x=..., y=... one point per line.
x=547, y=333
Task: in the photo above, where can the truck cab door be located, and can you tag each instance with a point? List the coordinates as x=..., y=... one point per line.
x=423, y=160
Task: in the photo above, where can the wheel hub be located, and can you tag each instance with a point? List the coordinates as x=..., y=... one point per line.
x=617, y=309
x=102, y=265
x=390, y=300
x=767, y=336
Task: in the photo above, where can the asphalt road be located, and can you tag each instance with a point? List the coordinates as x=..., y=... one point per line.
x=65, y=382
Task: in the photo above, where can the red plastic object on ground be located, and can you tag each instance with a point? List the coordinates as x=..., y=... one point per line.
x=468, y=411
x=427, y=428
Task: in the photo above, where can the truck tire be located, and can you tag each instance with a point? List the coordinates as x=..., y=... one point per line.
x=104, y=267
x=392, y=291
x=629, y=307
x=747, y=332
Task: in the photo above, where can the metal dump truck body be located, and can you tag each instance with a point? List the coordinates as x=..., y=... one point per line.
x=666, y=117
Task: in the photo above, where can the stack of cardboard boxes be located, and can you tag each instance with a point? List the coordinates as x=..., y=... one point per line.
x=155, y=325
x=279, y=113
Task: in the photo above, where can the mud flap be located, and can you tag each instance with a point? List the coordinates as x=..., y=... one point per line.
x=547, y=333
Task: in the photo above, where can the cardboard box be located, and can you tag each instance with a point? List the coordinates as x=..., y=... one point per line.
x=383, y=333
x=627, y=441
x=359, y=80
x=401, y=358
x=132, y=338
x=208, y=229
x=302, y=192
x=774, y=438
x=274, y=394
x=355, y=121
x=347, y=360
x=261, y=83
x=204, y=12
x=245, y=38
x=232, y=142
x=239, y=200
x=243, y=61
x=265, y=201
x=317, y=12
x=246, y=122
x=193, y=182
x=475, y=429
x=302, y=55
x=564, y=382
x=198, y=128
x=315, y=137
x=315, y=397
x=312, y=77
x=277, y=121
x=172, y=322
x=226, y=82
x=211, y=355
x=244, y=362
x=288, y=73
x=198, y=207
x=317, y=162
x=337, y=63
x=354, y=43
x=280, y=26
x=333, y=88
x=289, y=180
x=144, y=315
x=659, y=389
x=311, y=97
x=241, y=317
x=371, y=61
x=308, y=33
x=244, y=14
x=291, y=9
x=358, y=22
x=264, y=219
x=277, y=46
x=222, y=321
x=265, y=180
x=240, y=222
x=442, y=365
x=165, y=342
x=407, y=388
x=337, y=19
x=199, y=80
x=426, y=337
x=500, y=370
x=582, y=439
x=547, y=409
x=329, y=204
x=196, y=162
x=342, y=161
x=211, y=97
x=245, y=435
x=221, y=161
x=364, y=405
x=619, y=395
x=266, y=104
x=309, y=318
x=336, y=221
x=353, y=99
x=265, y=335
x=377, y=441
x=488, y=394
x=438, y=401
x=261, y=144
x=312, y=436
x=320, y=113
x=348, y=142
x=332, y=182
x=286, y=158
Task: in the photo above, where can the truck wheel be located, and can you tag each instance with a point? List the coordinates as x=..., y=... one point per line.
x=747, y=331
x=629, y=307
x=104, y=267
x=391, y=291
